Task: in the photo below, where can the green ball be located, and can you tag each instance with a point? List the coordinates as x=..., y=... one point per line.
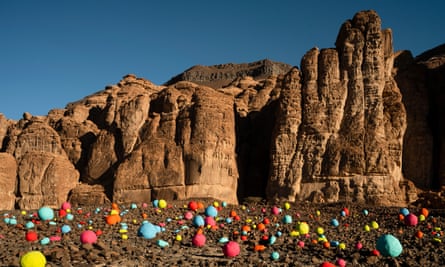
x=33, y=259
x=389, y=246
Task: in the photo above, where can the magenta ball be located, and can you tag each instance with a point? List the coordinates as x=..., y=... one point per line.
x=88, y=237
x=275, y=210
x=411, y=220
x=210, y=221
x=231, y=249
x=199, y=240
x=66, y=206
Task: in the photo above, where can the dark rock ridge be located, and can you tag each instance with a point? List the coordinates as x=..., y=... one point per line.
x=357, y=122
x=218, y=76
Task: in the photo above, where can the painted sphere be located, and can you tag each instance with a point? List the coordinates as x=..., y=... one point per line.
x=88, y=237
x=287, y=219
x=404, y=211
x=231, y=249
x=199, y=240
x=31, y=236
x=327, y=264
x=33, y=259
x=211, y=211
x=275, y=210
x=65, y=229
x=411, y=220
x=198, y=221
x=275, y=255
x=66, y=206
x=335, y=223
x=148, y=230
x=162, y=204
x=188, y=215
x=209, y=221
x=389, y=245
x=46, y=213
x=193, y=205
x=303, y=228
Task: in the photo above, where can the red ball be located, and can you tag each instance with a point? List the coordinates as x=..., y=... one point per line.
x=327, y=264
x=199, y=240
x=31, y=236
x=193, y=205
x=62, y=213
x=231, y=249
x=88, y=237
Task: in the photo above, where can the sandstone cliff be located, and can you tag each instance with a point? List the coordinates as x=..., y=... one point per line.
x=357, y=122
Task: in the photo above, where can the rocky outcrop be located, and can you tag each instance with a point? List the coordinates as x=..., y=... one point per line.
x=339, y=131
x=421, y=81
x=8, y=181
x=357, y=122
x=218, y=76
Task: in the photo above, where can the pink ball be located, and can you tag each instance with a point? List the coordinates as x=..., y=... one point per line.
x=275, y=210
x=300, y=244
x=199, y=240
x=66, y=205
x=341, y=262
x=231, y=249
x=358, y=245
x=209, y=221
x=188, y=215
x=411, y=220
x=88, y=237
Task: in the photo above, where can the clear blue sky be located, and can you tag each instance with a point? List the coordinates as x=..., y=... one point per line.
x=56, y=52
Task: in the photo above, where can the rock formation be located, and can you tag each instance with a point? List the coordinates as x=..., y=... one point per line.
x=357, y=122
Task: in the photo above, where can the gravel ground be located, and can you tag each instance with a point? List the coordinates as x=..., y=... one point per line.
x=114, y=249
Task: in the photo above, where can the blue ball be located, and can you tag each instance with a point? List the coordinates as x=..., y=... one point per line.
x=46, y=213
x=69, y=217
x=275, y=255
x=156, y=203
x=287, y=219
x=29, y=225
x=335, y=223
x=65, y=229
x=389, y=246
x=148, y=230
x=404, y=211
x=198, y=221
x=211, y=211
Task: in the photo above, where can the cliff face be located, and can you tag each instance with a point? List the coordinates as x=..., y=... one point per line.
x=356, y=123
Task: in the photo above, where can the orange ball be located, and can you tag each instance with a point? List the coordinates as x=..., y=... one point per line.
x=261, y=226
x=113, y=219
x=424, y=212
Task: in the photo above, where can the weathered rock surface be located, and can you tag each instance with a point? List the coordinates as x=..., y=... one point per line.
x=8, y=181
x=357, y=122
x=339, y=130
x=218, y=76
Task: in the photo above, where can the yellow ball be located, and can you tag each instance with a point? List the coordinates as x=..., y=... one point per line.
x=342, y=246
x=294, y=233
x=421, y=217
x=215, y=204
x=23, y=212
x=367, y=228
x=162, y=204
x=374, y=225
x=320, y=230
x=33, y=259
x=114, y=212
x=178, y=238
x=124, y=237
x=286, y=205
x=303, y=228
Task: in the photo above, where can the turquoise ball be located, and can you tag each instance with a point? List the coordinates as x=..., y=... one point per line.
x=389, y=246
x=46, y=213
